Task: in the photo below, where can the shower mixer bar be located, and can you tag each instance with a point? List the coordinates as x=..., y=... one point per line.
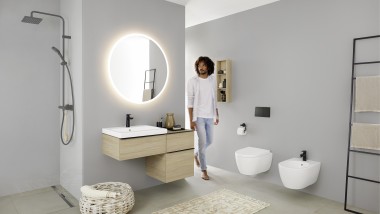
x=64, y=107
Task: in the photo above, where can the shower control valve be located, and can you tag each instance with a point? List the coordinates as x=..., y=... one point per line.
x=67, y=107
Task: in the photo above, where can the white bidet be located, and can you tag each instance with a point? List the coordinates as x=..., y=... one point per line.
x=298, y=174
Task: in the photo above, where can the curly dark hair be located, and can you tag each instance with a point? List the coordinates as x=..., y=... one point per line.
x=208, y=62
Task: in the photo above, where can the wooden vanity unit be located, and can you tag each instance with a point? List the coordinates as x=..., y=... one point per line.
x=169, y=157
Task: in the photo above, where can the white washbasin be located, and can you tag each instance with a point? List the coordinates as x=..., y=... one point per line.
x=134, y=131
x=298, y=174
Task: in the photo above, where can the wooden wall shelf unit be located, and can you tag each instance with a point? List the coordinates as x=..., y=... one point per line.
x=223, y=80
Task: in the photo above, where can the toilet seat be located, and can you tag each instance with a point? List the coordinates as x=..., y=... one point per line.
x=251, y=152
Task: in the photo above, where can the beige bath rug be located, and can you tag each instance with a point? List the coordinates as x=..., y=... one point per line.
x=221, y=202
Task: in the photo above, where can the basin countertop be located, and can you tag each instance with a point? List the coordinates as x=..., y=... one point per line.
x=134, y=131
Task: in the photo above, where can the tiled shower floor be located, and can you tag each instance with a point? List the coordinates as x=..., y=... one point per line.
x=49, y=200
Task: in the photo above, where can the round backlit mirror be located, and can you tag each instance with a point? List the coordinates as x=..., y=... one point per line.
x=137, y=68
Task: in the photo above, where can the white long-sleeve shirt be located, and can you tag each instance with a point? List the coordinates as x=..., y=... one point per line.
x=193, y=96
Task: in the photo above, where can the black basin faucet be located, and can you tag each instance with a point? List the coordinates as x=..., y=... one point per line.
x=303, y=155
x=128, y=120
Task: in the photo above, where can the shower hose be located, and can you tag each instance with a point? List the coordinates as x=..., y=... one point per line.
x=65, y=108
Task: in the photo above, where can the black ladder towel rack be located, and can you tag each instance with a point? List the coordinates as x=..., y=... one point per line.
x=363, y=151
x=151, y=81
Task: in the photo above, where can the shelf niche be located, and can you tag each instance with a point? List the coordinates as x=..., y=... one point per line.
x=223, y=81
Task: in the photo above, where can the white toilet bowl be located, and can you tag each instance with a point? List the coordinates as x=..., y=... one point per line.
x=252, y=161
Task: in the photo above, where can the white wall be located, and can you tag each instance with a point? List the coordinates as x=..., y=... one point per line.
x=29, y=91
x=295, y=57
x=71, y=155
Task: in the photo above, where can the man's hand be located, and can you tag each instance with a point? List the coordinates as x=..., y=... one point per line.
x=216, y=121
x=193, y=125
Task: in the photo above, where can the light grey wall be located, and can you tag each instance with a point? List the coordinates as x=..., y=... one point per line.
x=29, y=91
x=71, y=155
x=104, y=22
x=295, y=57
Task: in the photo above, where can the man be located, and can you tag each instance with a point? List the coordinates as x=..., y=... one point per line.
x=203, y=112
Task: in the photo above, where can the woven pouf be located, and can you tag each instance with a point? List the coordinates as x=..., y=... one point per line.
x=119, y=205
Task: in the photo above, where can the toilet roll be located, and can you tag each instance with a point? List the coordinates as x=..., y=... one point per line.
x=241, y=131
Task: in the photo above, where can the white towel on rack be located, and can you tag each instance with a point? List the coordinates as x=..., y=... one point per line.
x=147, y=94
x=365, y=136
x=367, y=94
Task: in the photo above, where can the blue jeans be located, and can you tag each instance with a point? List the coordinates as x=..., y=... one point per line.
x=205, y=131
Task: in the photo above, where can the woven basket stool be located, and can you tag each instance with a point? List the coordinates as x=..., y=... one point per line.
x=120, y=205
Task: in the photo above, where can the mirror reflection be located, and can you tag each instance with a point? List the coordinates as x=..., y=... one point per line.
x=138, y=68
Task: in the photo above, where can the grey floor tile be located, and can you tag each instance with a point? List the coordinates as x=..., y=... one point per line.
x=72, y=210
x=7, y=206
x=40, y=203
x=32, y=192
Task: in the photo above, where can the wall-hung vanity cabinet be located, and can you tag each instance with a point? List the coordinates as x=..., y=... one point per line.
x=130, y=148
x=169, y=157
x=177, y=162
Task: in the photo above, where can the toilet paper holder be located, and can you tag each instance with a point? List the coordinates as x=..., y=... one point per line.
x=242, y=129
x=245, y=126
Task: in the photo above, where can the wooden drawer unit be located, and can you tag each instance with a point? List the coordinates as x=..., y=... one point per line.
x=124, y=149
x=171, y=166
x=179, y=141
x=169, y=157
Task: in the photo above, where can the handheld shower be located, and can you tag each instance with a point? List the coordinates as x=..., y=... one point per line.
x=60, y=55
x=66, y=107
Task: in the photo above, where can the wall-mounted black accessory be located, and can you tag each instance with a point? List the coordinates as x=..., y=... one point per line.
x=245, y=126
x=262, y=111
x=242, y=129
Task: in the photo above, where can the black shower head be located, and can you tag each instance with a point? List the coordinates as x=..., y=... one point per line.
x=31, y=20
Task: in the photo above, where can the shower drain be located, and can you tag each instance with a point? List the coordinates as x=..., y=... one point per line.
x=62, y=196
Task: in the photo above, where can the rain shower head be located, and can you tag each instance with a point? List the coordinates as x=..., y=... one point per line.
x=31, y=20
x=59, y=54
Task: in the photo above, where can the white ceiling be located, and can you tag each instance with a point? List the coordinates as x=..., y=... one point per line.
x=200, y=11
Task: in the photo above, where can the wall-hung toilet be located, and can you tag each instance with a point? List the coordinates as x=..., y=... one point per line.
x=252, y=161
